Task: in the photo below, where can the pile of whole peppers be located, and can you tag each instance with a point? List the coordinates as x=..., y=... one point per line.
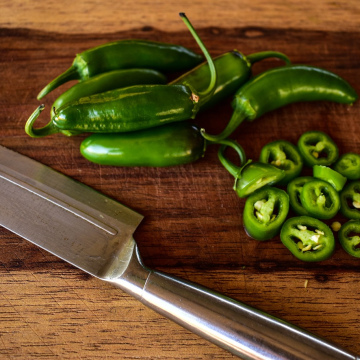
x=138, y=119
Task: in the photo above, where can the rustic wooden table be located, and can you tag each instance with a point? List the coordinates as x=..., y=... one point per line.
x=193, y=219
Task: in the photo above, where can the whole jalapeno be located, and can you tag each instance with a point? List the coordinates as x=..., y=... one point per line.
x=128, y=109
x=167, y=145
x=349, y=237
x=317, y=148
x=294, y=190
x=126, y=54
x=308, y=239
x=348, y=165
x=350, y=200
x=331, y=176
x=283, y=155
x=264, y=212
x=281, y=86
x=320, y=199
x=249, y=176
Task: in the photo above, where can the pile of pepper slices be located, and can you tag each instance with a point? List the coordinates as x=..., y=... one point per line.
x=138, y=119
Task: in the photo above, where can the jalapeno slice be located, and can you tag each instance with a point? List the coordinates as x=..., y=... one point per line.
x=317, y=148
x=264, y=213
x=285, y=156
x=320, y=199
x=348, y=165
x=350, y=200
x=307, y=238
x=294, y=190
x=349, y=237
x=331, y=176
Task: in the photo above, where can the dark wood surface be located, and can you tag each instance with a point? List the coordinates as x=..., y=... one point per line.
x=193, y=219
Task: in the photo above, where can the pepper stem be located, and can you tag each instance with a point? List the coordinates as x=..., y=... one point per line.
x=213, y=77
x=48, y=129
x=253, y=58
x=228, y=164
x=70, y=74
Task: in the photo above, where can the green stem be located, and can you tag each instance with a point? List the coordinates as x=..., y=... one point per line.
x=69, y=74
x=213, y=77
x=48, y=129
x=253, y=58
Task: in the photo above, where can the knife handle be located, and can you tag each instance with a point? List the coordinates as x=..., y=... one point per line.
x=238, y=328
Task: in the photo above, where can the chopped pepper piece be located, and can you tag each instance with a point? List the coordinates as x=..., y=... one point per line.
x=348, y=165
x=265, y=211
x=349, y=237
x=294, y=190
x=350, y=200
x=331, y=176
x=307, y=238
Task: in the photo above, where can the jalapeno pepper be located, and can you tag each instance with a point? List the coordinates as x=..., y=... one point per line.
x=320, y=199
x=281, y=86
x=126, y=54
x=264, y=212
x=331, y=176
x=350, y=200
x=348, y=165
x=307, y=238
x=128, y=109
x=284, y=155
x=317, y=148
x=167, y=145
x=294, y=190
x=249, y=176
x=349, y=237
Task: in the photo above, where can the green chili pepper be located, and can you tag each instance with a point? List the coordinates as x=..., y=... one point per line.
x=317, y=148
x=294, y=190
x=264, y=213
x=320, y=199
x=307, y=238
x=349, y=237
x=128, y=109
x=249, y=176
x=331, y=176
x=167, y=145
x=126, y=54
x=350, y=200
x=284, y=155
x=282, y=86
x=348, y=165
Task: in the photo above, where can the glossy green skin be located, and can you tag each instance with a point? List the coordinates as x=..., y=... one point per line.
x=285, y=156
x=294, y=190
x=348, y=165
x=290, y=235
x=128, y=109
x=320, y=199
x=276, y=208
x=311, y=142
x=348, y=195
x=351, y=244
x=254, y=176
x=108, y=81
x=168, y=145
x=331, y=176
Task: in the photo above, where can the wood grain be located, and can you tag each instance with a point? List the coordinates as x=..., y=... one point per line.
x=193, y=224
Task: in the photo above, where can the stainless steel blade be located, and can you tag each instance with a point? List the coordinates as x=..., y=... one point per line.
x=63, y=216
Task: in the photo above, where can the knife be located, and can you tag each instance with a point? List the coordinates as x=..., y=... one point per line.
x=95, y=234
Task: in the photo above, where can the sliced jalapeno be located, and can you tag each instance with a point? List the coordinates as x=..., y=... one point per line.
x=348, y=165
x=264, y=213
x=294, y=190
x=331, y=176
x=350, y=200
x=307, y=238
x=285, y=156
x=320, y=199
x=349, y=237
x=317, y=148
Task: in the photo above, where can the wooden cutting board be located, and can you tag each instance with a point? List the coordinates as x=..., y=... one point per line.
x=193, y=219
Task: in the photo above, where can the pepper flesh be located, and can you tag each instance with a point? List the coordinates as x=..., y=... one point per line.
x=331, y=176
x=349, y=237
x=264, y=212
x=294, y=190
x=348, y=165
x=307, y=238
x=350, y=200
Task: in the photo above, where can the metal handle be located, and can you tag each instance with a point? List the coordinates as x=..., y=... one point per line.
x=242, y=330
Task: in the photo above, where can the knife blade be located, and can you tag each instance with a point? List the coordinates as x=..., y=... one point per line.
x=95, y=233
